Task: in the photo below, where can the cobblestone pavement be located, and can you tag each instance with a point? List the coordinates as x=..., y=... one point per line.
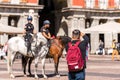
x=98, y=68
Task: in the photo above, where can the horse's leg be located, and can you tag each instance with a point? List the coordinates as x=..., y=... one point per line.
x=29, y=65
x=56, y=62
x=24, y=63
x=36, y=66
x=43, y=67
x=11, y=56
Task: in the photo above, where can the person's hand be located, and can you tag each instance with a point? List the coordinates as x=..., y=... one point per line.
x=82, y=34
x=49, y=37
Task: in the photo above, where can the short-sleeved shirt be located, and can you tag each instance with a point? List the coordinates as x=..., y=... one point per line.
x=29, y=28
x=43, y=29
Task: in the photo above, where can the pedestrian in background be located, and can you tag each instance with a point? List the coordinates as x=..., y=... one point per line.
x=101, y=47
x=115, y=51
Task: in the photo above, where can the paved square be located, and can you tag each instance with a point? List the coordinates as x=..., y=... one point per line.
x=98, y=68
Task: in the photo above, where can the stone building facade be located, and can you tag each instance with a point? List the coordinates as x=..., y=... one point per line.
x=82, y=14
x=15, y=12
x=65, y=16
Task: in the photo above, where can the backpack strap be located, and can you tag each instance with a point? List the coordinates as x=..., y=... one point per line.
x=77, y=43
x=69, y=44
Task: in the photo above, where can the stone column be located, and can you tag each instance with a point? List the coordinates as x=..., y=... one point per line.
x=35, y=19
x=94, y=41
x=21, y=22
x=95, y=22
x=115, y=36
x=108, y=40
x=75, y=23
x=31, y=13
x=81, y=23
x=69, y=3
x=36, y=23
x=4, y=37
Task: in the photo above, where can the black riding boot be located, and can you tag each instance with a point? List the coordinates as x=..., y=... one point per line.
x=28, y=40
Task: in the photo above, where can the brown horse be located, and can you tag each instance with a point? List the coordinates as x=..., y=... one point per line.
x=55, y=51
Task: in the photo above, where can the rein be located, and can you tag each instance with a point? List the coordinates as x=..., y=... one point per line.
x=57, y=45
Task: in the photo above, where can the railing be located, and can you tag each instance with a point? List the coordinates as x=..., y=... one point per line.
x=99, y=4
x=19, y=1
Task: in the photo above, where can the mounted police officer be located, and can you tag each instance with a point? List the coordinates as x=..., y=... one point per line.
x=45, y=31
x=29, y=31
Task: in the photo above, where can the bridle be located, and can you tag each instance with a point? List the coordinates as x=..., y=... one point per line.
x=38, y=47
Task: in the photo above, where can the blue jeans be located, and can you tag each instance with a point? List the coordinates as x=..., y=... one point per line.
x=76, y=75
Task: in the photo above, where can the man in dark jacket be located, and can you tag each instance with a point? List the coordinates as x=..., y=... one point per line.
x=76, y=34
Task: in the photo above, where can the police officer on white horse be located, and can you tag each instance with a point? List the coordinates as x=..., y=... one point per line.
x=29, y=31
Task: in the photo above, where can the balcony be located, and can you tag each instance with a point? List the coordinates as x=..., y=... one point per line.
x=96, y=4
x=26, y=2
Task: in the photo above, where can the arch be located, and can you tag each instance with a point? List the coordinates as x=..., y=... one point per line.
x=63, y=30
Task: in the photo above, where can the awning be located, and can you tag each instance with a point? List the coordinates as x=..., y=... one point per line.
x=110, y=27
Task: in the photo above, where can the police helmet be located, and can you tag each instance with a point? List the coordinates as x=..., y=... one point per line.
x=46, y=22
x=29, y=18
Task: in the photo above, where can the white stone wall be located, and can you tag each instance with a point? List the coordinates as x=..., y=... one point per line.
x=4, y=37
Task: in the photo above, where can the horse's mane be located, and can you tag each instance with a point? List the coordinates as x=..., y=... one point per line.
x=64, y=39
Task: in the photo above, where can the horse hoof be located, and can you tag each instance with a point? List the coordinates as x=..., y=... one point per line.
x=36, y=77
x=30, y=74
x=25, y=75
x=45, y=77
x=12, y=76
x=58, y=76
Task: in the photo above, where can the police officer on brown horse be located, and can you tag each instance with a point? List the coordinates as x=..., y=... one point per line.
x=29, y=31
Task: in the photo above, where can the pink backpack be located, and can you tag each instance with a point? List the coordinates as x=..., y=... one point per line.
x=74, y=57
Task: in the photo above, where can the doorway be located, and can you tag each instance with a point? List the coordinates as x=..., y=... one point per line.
x=119, y=38
x=13, y=21
x=101, y=37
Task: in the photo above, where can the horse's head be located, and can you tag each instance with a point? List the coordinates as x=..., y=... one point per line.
x=39, y=39
x=40, y=43
x=64, y=39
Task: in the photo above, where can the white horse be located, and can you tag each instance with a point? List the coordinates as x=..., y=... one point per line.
x=39, y=50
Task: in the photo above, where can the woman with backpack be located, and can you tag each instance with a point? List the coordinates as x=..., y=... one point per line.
x=76, y=56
